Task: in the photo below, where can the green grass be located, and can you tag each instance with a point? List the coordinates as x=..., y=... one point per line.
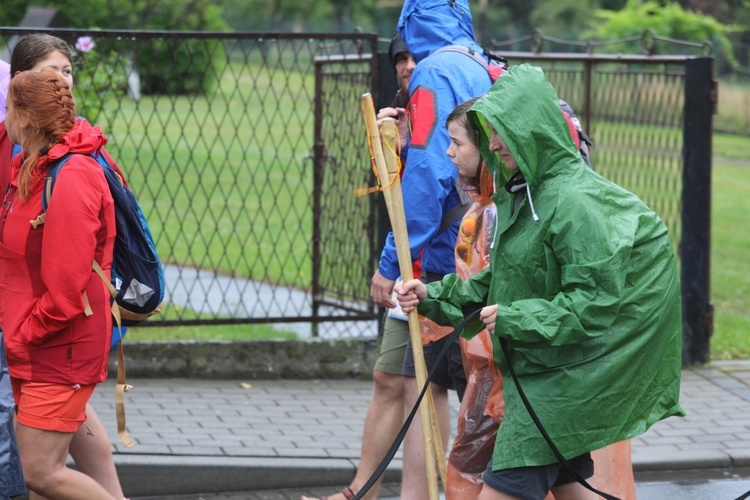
x=734, y=105
x=731, y=147
x=730, y=248
x=210, y=332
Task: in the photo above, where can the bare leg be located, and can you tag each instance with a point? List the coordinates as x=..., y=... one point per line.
x=92, y=453
x=575, y=491
x=492, y=494
x=613, y=470
x=414, y=480
x=43, y=456
x=385, y=416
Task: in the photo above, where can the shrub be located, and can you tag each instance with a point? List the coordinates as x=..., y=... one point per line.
x=100, y=74
x=166, y=66
x=179, y=66
x=668, y=20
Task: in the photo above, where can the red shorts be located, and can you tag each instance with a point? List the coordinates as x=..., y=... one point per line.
x=51, y=407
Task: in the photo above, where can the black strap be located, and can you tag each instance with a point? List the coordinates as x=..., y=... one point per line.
x=402, y=433
x=454, y=214
x=563, y=461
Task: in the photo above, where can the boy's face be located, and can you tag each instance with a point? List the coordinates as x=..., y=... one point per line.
x=497, y=145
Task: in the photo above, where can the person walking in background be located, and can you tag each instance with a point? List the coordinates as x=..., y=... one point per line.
x=433, y=205
x=385, y=413
x=11, y=475
x=582, y=293
x=404, y=63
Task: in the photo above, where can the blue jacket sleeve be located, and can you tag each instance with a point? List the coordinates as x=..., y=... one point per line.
x=429, y=179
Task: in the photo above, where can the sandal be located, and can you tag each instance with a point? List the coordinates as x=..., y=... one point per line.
x=347, y=492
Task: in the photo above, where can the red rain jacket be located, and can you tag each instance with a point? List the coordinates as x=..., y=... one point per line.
x=44, y=272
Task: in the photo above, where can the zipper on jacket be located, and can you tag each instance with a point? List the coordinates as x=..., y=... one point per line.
x=7, y=203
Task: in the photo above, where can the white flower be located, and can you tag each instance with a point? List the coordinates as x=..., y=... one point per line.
x=85, y=43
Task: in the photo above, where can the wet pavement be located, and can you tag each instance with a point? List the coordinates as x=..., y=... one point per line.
x=283, y=438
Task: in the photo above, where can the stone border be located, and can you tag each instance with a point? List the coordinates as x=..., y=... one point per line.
x=251, y=359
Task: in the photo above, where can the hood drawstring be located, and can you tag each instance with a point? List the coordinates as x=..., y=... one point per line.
x=494, y=230
x=531, y=204
x=516, y=184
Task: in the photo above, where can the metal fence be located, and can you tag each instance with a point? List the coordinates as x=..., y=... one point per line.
x=245, y=149
x=223, y=137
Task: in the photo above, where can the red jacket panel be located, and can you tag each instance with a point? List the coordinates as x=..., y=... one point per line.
x=45, y=271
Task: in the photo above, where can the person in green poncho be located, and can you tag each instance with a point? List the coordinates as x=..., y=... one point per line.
x=582, y=288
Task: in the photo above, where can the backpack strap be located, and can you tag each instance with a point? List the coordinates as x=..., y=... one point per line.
x=454, y=214
x=122, y=384
x=493, y=70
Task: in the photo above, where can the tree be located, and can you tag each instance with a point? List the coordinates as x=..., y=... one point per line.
x=193, y=64
x=667, y=19
x=13, y=11
x=724, y=11
x=561, y=17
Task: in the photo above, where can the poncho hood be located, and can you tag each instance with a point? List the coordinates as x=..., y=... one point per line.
x=516, y=105
x=427, y=25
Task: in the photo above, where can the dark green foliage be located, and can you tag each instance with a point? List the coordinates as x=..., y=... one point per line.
x=166, y=66
x=100, y=74
x=181, y=66
x=12, y=12
x=667, y=19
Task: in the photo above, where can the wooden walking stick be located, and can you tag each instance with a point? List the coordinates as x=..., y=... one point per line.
x=395, y=204
x=388, y=133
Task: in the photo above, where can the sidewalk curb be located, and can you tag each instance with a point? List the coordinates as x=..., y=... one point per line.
x=150, y=475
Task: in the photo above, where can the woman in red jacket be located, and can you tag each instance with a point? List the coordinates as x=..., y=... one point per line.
x=90, y=448
x=54, y=309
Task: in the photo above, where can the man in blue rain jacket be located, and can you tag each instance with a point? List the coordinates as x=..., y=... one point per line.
x=433, y=206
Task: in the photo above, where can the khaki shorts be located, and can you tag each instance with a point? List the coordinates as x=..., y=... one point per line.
x=392, y=345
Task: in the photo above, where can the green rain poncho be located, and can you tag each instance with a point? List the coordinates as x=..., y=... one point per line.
x=588, y=295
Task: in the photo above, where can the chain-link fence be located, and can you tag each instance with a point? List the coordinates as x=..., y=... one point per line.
x=245, y=149
x=217, y=133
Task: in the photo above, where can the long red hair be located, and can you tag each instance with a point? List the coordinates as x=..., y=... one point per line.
x=44, y=110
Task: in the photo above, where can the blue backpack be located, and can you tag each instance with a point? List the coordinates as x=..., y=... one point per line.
x=137, y=283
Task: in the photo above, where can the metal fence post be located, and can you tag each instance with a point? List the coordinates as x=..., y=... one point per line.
x=695, y=244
